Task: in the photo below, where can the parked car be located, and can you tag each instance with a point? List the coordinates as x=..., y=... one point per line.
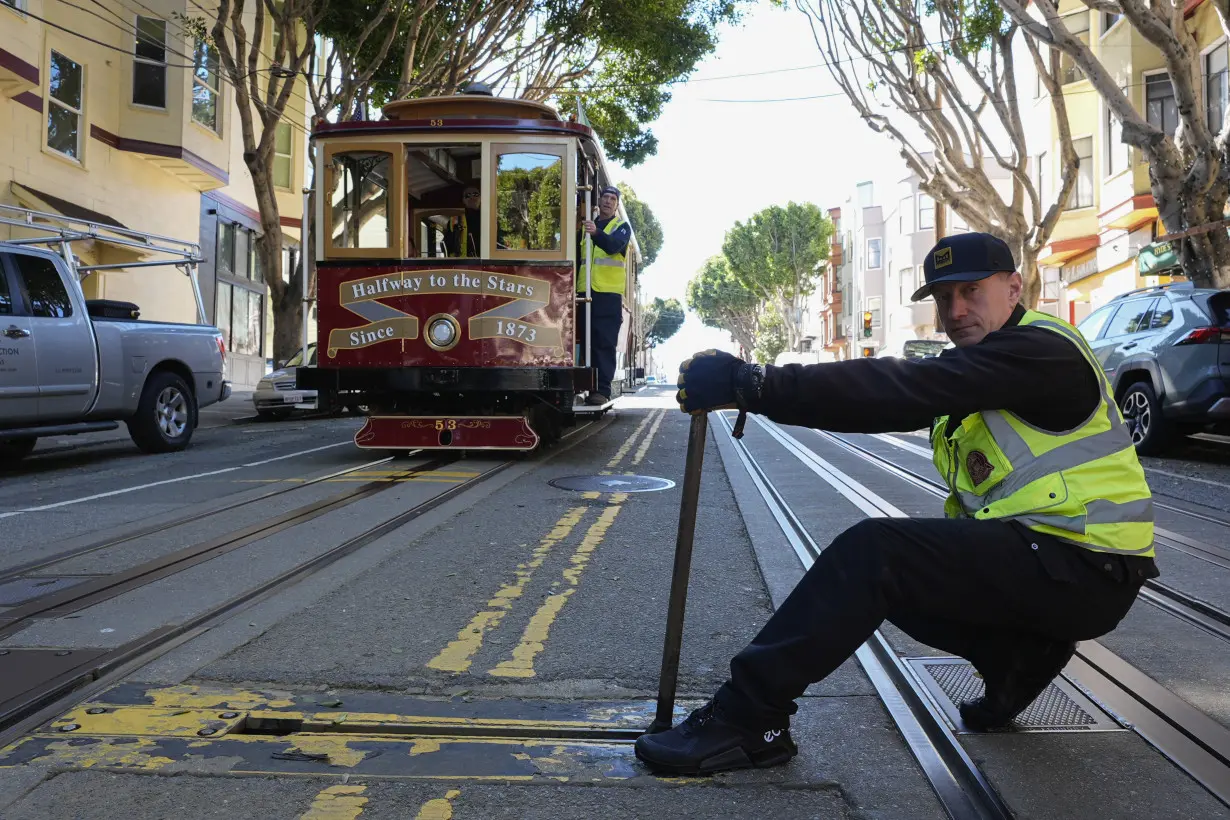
x=1166, y=351
x=70, y=366
x=277, y=396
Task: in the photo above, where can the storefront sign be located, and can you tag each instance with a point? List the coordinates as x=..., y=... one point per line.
x=1079, y=270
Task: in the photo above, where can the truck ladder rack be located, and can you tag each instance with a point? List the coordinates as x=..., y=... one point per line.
x=183, y=255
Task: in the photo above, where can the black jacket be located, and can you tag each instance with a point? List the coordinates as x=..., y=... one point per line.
x=1032, y=372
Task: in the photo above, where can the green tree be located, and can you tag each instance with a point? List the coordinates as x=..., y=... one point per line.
x=775, y=255
x=646, y=226
x=723, y=302
x=616, y=56
x=667, y=319
x=771, y=339
x=528, y=203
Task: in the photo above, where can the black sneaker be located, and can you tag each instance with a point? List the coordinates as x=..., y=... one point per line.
x=1008, y=693
x=705, y=743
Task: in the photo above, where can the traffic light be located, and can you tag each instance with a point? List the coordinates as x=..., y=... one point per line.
x=867, y=324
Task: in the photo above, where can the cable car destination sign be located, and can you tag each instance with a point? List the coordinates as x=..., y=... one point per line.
x=386, y=323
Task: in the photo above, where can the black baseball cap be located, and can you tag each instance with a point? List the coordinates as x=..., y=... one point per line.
x=965, y=257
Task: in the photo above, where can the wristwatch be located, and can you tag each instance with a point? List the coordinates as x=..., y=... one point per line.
x=748, y=384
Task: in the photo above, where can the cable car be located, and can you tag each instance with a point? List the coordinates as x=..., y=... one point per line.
x=451, y=276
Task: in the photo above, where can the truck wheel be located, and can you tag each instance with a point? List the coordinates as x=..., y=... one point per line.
x=14, y=450
x=165, y=416
x=1143, y=414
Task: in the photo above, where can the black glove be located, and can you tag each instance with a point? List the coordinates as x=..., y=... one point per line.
x=713, y=380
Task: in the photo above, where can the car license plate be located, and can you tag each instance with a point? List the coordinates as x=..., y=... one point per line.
x=292, y=398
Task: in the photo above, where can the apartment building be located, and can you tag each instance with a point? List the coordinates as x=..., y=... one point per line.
x=1111, y=215
x=134, y=124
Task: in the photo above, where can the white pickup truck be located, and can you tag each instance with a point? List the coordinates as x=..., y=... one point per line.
x=68, y=366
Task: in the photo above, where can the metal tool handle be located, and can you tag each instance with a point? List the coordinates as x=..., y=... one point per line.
x=679, y=578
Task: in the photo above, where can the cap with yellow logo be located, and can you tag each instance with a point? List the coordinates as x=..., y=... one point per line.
x=965, y=257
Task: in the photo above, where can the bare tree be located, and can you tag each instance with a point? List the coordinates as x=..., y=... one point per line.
x=264, y=85
x=1187, y=171
x=958, y=91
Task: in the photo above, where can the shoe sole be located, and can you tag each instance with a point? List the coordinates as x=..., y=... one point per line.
x=725, y=762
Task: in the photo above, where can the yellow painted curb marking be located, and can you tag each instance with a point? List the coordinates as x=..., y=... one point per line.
x=440, y=808
x=337, y=803
x=521, y=665
x=459, y=654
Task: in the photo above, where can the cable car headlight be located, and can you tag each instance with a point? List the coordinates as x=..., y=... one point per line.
x=443, y=331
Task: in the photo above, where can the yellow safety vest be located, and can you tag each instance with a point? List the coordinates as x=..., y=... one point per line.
x=1084, y=486
x=607, y=269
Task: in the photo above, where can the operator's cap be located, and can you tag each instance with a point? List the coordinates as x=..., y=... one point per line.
x=610, y=189
x=965, y=257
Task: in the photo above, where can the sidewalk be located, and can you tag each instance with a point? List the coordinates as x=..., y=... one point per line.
x=236, y=409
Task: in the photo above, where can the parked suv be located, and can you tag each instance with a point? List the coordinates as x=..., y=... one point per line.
x=1166, y=351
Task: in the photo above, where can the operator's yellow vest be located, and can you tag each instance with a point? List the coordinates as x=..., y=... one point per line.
x=607, y=269
x=1084, y=485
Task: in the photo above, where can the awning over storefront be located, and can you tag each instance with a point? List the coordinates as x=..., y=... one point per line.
x=1157, y=258
x=1130, y=213
x=1058, y=252
x=105, y=252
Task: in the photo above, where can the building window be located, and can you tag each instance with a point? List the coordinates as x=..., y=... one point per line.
x=907, y=286
x=1082, y=193
x=283, y=150
x=906, y=215
x=873, y=253
x=1078, y=25
x=1161, y=110
x=920, y=280
x=926, y=212
x=1042, y=175
x=864, y=194
x=1216, y=89
x=1118, y=153
x=16, y=4
x=874, y=305
x=225, y=257
x=1109, y=18
x=205, y=86
x=149, y=63
x=64, y=105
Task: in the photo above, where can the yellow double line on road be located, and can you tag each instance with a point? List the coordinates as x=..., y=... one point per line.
x=458, y=656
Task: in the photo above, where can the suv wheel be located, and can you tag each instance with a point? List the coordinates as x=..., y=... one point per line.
x=1150, y=432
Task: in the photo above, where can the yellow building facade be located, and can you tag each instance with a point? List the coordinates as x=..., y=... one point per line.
x=1111, y=215
x=114, y=112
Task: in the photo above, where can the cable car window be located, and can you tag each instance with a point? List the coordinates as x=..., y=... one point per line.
x=360, y=210
x=445, y=189
x=529, y=190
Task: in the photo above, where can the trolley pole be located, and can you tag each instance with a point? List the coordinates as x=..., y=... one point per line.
x=589, y=296
x=679, y=579
x=303, y=267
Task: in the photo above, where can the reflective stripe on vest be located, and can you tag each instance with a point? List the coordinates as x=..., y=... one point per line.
x=607, y=268
x=1083, y=485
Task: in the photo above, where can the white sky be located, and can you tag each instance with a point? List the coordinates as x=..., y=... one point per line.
x=721, y=162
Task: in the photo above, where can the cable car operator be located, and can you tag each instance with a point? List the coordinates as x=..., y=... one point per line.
x=1049, y=528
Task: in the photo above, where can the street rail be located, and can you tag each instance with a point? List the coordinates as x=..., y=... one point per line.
x=43, y=697
x=17, y=571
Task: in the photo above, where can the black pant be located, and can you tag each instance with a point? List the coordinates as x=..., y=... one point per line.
x=987, y=591
x=608, y=315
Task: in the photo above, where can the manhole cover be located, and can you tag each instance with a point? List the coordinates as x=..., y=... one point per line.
x=612, y=483
x=20, y=590
x=1060, y=708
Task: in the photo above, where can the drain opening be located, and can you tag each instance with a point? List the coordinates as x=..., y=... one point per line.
x=1060, y=708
